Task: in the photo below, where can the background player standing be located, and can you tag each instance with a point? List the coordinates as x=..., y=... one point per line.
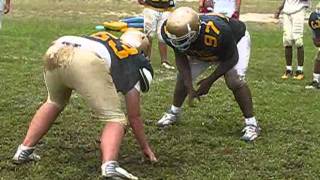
x=293, y=26
x=154, y=14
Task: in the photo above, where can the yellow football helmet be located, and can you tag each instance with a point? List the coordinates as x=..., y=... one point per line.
x=182, y=27
x=137, y=40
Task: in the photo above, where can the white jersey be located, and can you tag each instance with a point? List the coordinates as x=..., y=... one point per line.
x=226, y=7
x=86, y=44
x=293, y=6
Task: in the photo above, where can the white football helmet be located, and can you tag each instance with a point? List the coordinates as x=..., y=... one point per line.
x=182, y=27
x=136, y=39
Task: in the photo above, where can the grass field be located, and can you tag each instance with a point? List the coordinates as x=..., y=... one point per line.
x=204, y=145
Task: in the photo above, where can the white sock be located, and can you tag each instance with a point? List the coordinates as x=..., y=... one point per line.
x=22, y=147
x=175, y=109
x=300, y=68
x=251, y=121
x=316, y=77
x=289, y=68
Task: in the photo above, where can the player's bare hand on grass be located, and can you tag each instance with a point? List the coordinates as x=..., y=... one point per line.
x=148, y=153
x=204, y=87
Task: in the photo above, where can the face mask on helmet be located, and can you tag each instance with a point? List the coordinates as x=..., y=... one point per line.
x=182, y=43
x=182, y=27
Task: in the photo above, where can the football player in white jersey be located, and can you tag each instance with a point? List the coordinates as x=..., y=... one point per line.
x=293, y=26
x=96, y=67
x=4, y=8
x=229, y=8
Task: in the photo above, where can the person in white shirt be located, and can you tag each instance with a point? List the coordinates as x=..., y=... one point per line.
x=4, y=8
x=155, y=12
x=293, y=26
x=229, y=8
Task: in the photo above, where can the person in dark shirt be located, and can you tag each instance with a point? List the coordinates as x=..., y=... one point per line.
x=200, y=41
x=91, y=66
x=314, y=23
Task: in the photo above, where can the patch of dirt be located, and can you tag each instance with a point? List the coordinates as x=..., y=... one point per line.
x=257, y=17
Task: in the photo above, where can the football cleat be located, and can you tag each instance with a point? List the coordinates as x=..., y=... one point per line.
x=112, y=170
x=168, y=119
x=25, y=154
x=313, y=85
x=287, y=74
x=251, y=132
x=299, y=75
x=167, y=65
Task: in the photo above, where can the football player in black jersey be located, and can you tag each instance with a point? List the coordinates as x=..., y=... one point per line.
x=200, y=41
x=96, y=67
x=314, y=23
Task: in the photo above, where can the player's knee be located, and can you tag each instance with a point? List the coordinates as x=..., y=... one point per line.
x=298, y=42
x=58, y=105
x=235, y=82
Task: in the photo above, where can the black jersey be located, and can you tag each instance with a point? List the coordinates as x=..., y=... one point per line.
x=314, y=23
x=163, y=4
x=125, y=61
x=217, y=37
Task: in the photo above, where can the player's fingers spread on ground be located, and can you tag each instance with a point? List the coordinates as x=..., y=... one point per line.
x=150, y=155
x=203, y=90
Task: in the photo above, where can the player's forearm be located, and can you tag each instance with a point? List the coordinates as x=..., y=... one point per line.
x=133, y=110
x=138, y=131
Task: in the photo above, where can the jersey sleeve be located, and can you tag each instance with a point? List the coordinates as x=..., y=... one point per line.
x=229, y=45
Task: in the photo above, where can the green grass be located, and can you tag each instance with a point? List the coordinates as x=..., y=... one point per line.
x=204, y=145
